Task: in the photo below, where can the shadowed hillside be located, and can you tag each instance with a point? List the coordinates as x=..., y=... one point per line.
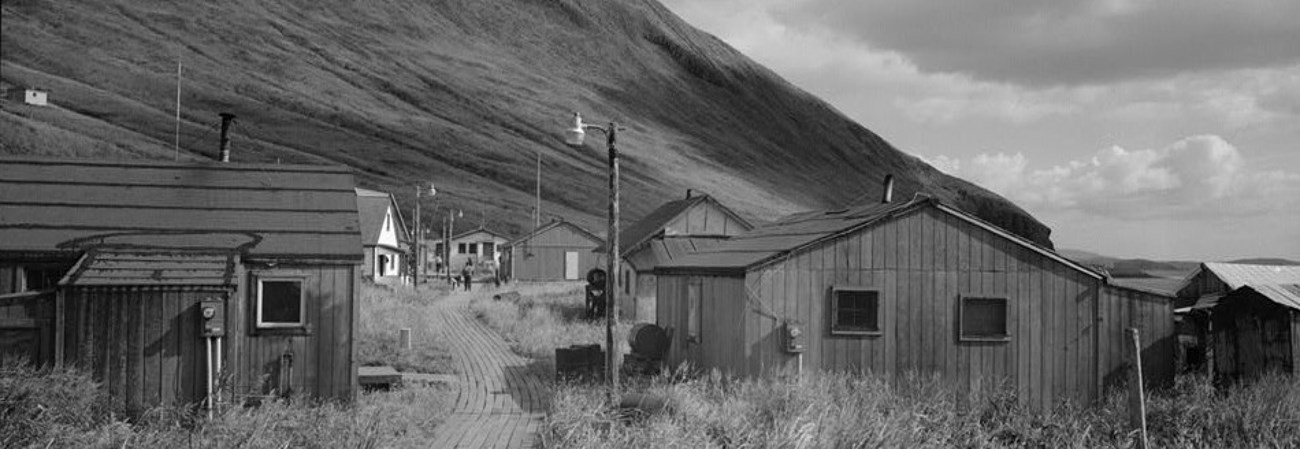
x=464, y=93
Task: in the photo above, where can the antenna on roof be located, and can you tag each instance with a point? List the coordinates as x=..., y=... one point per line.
x=178, y=106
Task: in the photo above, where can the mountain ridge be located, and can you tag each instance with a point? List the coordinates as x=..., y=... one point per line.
x=466, y=94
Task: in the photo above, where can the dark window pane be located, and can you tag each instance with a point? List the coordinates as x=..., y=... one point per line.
x=281, y=302
x=855, y=311
x=984, y=317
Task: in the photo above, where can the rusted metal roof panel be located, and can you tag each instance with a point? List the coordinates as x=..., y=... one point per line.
x=55, y=205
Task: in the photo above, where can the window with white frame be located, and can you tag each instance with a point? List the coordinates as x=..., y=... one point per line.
x=472, y=248
x=854, y=311
x=281, y=303
x=983, y=319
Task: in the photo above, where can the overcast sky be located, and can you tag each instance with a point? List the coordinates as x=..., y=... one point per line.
x=1162, y=129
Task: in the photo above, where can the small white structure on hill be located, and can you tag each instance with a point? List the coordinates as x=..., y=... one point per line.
x=30, y=95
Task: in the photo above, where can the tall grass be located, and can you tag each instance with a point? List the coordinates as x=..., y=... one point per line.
x=65, y=408
x=547, y=316
x=837, y=410
x=385, y=310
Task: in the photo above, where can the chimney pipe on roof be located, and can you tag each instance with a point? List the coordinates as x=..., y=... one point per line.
x=226, y=119
x=688, y=194
x=888, y=195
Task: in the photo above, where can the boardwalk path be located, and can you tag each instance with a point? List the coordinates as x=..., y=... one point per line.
x=500, y=401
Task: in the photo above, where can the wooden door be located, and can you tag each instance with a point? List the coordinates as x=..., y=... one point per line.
x=571, y=265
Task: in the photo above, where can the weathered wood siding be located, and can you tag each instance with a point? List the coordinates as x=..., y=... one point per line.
x=142, y=345
x=27, y=327
x=1252, y=336
x=1152, y=315
x=145, y=346
x=541, y=258
x=921, y=264
x=721, y=331
x=323, y=364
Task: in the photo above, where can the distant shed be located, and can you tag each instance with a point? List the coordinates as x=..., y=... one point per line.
x=921, y=286
x=673, y=230
x=128, y=268
x=1245, y=318
x=557, y=251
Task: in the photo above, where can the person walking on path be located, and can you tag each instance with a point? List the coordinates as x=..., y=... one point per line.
x=466, y=274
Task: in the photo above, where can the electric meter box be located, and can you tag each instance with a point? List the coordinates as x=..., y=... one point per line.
x=212, y=314
x=794, y=338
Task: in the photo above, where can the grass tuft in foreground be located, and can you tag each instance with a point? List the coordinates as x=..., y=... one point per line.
x=43, y=408
x=837, y=410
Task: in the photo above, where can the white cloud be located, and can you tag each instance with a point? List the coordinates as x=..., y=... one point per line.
x=1200, y=176
x=1066, y=42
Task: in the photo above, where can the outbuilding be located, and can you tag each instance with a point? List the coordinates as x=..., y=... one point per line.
x=557, y=251
x=161, y=278
x=891, y=288
x=1244, y=319
x=673, y=230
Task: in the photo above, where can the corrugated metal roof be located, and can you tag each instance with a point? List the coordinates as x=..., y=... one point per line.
x=1237, y=275
x=372, y=206
x=1284, y=294
x=110, y=268
x=480, y=229
x=266, y=211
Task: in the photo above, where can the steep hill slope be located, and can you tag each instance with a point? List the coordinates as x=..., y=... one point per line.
x=465, y=93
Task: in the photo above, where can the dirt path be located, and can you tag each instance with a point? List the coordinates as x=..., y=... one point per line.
x=500, y=401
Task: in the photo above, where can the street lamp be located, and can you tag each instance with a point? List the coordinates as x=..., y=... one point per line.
x=574, y=136
x=419, y=231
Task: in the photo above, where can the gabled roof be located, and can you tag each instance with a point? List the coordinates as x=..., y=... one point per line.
x=372, y=206
x=801, y=231
x=1278, y=283
x=480, y=229
x=67, y=206
x=552, y=225
x=652, y=224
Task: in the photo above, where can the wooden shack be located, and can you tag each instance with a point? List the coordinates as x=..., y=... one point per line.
x=147, y=274
x=1244, y=319
x=383, y=236
x=674, y=229
x=919, y=287
x=557, y=251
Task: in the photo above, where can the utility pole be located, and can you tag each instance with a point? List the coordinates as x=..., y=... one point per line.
x=419, y=243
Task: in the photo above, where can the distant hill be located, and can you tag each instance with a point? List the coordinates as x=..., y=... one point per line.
x=464, y=93
x=1145, y=268
x=1266, y=261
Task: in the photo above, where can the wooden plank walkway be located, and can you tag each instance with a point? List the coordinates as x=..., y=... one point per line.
x=501, y=397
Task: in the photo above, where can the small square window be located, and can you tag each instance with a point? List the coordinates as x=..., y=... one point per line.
x=460, y=248
x=984, y=319
x=280, y=303
x=473, y=248
x=855, y=311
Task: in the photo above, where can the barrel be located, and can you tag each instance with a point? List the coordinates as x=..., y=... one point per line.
x=648, y=340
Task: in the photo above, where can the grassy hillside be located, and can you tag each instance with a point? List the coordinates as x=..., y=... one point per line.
x=465, y=93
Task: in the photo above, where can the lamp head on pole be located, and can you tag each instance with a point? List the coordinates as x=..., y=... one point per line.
x=574, y=136
x=432, y=191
